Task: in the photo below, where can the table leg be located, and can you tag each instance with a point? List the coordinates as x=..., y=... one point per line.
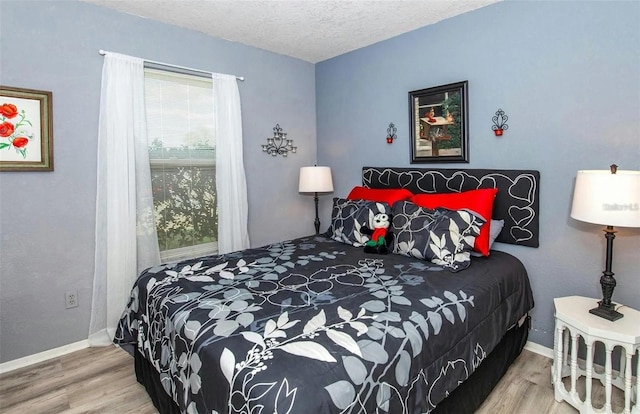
x=558, y=363
x=626, y=369
x=636, y=408
x=607, y=379
x=566, y=346
x=574, y=364
x=589, y=372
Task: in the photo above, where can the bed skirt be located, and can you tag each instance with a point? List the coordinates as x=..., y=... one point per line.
x=465, y=399
x=471, y=394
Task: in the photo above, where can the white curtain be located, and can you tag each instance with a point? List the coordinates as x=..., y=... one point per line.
x=125, y=235
x=231, y=184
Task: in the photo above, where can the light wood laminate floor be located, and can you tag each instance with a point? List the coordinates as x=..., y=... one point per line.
x=102, y=380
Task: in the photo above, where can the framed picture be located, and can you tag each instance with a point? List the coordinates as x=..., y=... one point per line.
x=439, y=124
x=26, y=130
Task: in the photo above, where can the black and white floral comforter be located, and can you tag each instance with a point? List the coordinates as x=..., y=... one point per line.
x=316, y=326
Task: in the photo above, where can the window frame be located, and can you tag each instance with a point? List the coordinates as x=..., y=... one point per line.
x=202, y=249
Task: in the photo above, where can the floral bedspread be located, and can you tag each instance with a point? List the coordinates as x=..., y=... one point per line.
x=316, y=326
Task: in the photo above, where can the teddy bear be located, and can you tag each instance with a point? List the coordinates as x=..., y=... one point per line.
x=380, y=236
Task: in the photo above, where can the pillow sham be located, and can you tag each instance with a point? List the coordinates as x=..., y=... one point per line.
x=444, y=237
x=479, y=201
x=348, y=217
x=383, y=195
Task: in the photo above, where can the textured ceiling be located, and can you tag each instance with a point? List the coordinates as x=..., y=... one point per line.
x=309, y=30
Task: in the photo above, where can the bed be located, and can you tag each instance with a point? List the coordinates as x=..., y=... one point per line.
x=316, y=325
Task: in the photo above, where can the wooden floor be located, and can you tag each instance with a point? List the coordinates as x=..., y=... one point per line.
x=101, y=380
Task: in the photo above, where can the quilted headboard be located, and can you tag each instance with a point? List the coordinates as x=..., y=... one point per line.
x=517, y=201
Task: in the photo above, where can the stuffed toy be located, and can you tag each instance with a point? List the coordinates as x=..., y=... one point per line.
x=380, y=236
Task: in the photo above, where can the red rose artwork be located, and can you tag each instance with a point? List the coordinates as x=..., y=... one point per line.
x=20, y=142
x=16, y=131
x=6, y=129
x=8, y=110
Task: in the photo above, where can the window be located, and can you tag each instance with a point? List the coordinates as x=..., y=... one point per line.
x=179, y=111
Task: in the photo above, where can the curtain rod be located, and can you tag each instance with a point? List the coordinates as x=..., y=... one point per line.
x=240, y=78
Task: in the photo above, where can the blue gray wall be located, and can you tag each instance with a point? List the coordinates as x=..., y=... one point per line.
x=568, y=76
x=565, y=72
x=47, y=219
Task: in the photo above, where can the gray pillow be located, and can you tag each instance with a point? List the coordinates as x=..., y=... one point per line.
x=494, y=232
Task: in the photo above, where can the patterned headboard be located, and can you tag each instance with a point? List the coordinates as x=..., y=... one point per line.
x=517, y=201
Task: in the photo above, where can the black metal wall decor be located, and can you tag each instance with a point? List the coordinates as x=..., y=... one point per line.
x=279, y=144
x=391, y=133
x=499, y=123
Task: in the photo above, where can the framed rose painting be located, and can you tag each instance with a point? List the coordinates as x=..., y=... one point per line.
x=26, y=130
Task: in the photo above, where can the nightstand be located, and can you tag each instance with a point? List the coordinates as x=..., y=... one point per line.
x=573, y=321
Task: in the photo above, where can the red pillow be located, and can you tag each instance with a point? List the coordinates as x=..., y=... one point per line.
x=479, y=201
x=383, y=195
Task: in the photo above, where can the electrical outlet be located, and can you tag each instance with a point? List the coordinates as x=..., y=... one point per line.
x=71, y=299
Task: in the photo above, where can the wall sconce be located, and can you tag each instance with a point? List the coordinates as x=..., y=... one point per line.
x=279, y=144
x=391, y=133
x=499, y=123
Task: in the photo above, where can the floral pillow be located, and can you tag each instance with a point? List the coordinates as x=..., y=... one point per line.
x=479, y=201
x=444, y=237
x=348, y=217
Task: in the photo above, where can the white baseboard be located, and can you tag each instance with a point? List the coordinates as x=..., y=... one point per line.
x=76, y=346
x=43, y=356
x=539, y=349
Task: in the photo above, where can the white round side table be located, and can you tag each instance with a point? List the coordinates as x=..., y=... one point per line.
x=572, y=321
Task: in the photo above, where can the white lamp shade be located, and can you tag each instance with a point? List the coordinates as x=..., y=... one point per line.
x=315, y=180
x=601, y=197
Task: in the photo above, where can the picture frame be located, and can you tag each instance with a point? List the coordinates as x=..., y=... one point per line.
x=26, y=129
x=438, y=127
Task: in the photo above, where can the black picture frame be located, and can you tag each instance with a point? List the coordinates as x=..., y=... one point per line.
x=438, y=124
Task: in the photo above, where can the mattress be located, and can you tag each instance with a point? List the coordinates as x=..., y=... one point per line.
x=315, y=325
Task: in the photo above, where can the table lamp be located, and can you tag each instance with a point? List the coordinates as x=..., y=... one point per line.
x=610, y=198
x=315, y=180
